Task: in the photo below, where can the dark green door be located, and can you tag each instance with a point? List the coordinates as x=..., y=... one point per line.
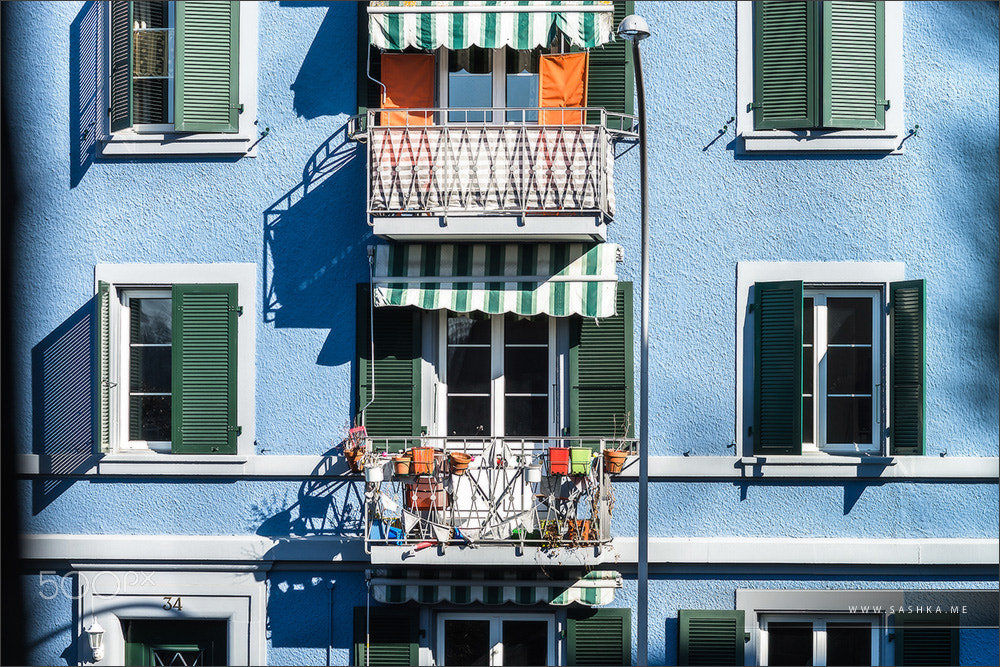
x=154, y=642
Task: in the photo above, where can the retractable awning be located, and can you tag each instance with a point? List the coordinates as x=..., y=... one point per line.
x=395, y=25
x=557, y=279
x=591, y=589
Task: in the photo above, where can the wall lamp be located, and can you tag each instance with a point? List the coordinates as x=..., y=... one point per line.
x=95, y=635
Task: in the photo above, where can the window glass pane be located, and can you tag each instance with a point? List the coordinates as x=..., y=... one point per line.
x=808, y=370
x=150, y=53
x=849, y=370
x=149, y=15
x=151, y=319
x=526, y=416
x=522, y=84
x=468, y=370
x=807, y=420
x=149, y=101
x=848, y=644
x=470, y=84
x=526, y=370
x=849, y=320
x=849, y=420
x=808, y=312
x=789, y=643
x=467, y=642
x=468, y=330
x=529, y=330
x=149, y=369
x=149, y=418
x=469, y=416
x=525, y=643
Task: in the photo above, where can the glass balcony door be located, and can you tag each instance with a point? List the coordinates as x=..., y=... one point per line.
x=494, y=639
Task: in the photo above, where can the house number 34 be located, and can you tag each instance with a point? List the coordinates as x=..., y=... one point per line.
x=172, y=603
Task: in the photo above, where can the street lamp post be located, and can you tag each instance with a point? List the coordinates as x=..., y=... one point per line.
x=635, y=29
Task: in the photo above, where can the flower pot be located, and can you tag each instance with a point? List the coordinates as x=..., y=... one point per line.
x=533, y=474
x=354, y=458
x=558, y=460
x=374, y=474
x=401, y=465
x=425, y=494
x=579, y=460
x=614, y=460
x=423, y=460
x=578, y=530
x=459, y=462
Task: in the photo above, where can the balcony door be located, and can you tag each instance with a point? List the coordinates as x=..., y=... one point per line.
x=495, y=639
x=472, y=81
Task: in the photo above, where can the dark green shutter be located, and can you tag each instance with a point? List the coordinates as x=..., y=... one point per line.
x=369, y=92
x=601, y=373
x=396, y=409
x=907, y=366
x=926, y=639
x=204, y=369
x=785, y=65
x=393, y=636
x=709, y=637
x=102, y=378
x=777, y=424
x=121, y=65
x=206, y=74
x=854, y=64
x=610, y=81
x=599, y=637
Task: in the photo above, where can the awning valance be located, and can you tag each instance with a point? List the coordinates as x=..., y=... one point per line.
x=591, y=589
x=395, y=25
x=557, y=279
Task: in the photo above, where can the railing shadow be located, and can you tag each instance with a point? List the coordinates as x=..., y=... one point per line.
x=86, y=87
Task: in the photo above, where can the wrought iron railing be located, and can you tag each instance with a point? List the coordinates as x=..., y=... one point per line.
x=545, y=492
x=460, y=162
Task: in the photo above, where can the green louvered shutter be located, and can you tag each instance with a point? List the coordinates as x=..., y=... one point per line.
x=785, y=74
x=601, y=373
x=777, y=424
x=926, y=639
x=121, y=65
x=204, y=369
x=610, y=81
x=599, y=637
x=396, y=409
x=206, y=74
x=710, y=637
x=103, y=376
x=369, y=92
x=393, y=636
x=907, y=366
x=854, y=64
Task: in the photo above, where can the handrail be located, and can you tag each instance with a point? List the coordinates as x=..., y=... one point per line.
x=517, y=445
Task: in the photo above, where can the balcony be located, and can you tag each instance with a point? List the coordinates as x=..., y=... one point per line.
x=504, y=493
x=485, y=181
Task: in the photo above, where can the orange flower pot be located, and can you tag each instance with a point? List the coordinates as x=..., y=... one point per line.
x=614, y=460
x=423, y=460
x=459, y=462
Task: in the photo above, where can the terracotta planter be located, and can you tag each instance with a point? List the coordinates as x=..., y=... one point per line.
x=459, y=462
x=401, y=465
x=423, y=460
x=425, y=494
x=354, y=458
x=614, y=460
x=578, y=530
x=558, y=460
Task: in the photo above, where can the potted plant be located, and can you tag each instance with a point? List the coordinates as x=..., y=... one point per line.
x=401, y=464
x=558, y=460
x=355, y=447
x=459, y=462
x=616, y=453
x=580, y=460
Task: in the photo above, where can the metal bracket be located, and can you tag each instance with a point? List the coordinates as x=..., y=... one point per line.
x=236, y=309
x=237, y=429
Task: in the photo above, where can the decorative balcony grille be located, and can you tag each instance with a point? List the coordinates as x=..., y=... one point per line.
x=495, y=501
x=483, y=168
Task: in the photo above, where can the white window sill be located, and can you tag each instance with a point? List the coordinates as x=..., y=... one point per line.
x=134, y=144
x=843, y=141
x=819, y=458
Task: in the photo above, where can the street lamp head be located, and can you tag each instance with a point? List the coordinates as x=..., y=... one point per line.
x=633, y=28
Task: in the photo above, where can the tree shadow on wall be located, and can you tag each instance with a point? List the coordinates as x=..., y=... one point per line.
x=315, y=239
x=87, y=79
x=63, y=392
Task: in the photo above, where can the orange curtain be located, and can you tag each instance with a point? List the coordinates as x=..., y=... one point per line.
x=562, y=82
x=409, y=84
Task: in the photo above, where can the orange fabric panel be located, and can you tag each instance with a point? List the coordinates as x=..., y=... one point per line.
x=409, y=84
x=562, y=82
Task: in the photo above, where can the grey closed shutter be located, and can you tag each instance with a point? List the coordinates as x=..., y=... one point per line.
x=710, y=637
x=599, y=637
x=204, y=369
x=120, y=108
x=206, y=78
x=777, y=424
x=926, y=639
x=396, y=408
x=601, y=373
x=386, y=636
x=854, y=65
x=785, y=74
x=907, y=366
x=610, y=81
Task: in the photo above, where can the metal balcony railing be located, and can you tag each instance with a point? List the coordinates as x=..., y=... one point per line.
x=512, y=492
x=491, y=161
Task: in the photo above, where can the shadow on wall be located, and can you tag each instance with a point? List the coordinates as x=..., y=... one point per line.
x=326, y=505
x=63, y=396
x=318, y=89
x=86, y=87
x=314, y=248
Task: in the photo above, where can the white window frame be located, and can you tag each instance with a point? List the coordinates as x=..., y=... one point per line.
x=888, y=140
x=497, y=382
x=496, y=632
x=861, y=275
x=123, y=338
x=819, y=622
x=146, y=278
x=164, y=128
x=155, y=140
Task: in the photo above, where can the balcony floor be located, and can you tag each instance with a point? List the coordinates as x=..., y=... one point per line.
x=509, y=227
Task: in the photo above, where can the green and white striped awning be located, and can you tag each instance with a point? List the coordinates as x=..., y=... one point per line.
x=395, y=25
x=592, y=589
x=558, y=279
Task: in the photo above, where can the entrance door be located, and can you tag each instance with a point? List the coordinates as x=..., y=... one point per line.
x=149, y=642
x=496, y=639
